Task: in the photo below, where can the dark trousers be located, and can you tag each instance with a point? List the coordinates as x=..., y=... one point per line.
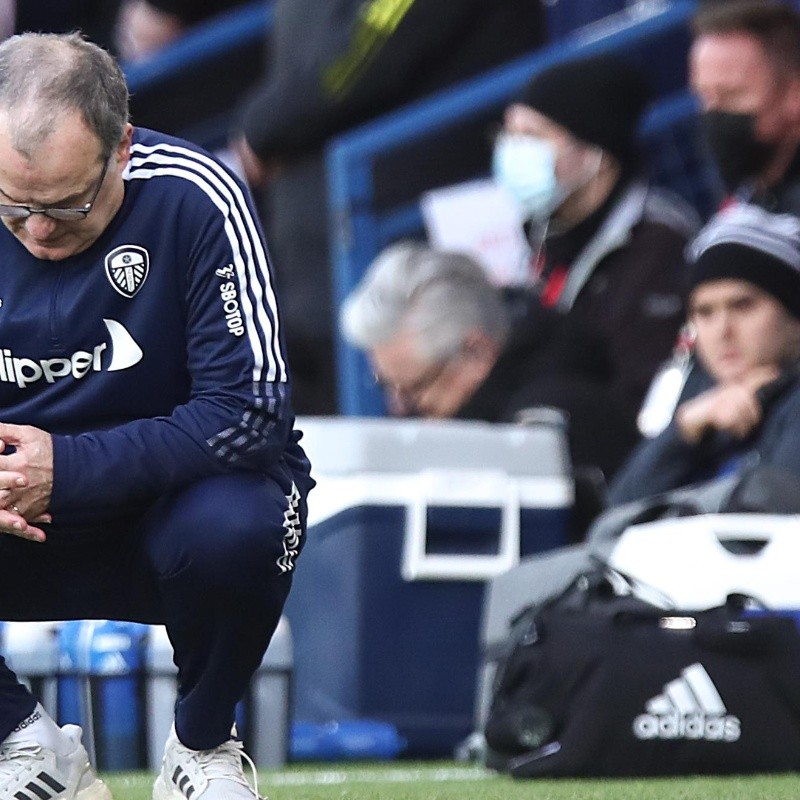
x=213, y=562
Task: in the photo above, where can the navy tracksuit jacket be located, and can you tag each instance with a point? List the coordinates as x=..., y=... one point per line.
x=155, y=359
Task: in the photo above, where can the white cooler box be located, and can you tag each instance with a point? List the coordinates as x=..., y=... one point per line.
x=696, y=562
x=409, y=520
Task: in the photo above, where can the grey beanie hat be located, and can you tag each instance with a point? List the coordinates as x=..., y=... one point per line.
x=749, y=243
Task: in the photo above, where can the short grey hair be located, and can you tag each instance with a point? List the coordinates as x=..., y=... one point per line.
x=438, y=295
x=43, y=75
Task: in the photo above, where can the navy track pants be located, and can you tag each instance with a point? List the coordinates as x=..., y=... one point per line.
x=213, y=562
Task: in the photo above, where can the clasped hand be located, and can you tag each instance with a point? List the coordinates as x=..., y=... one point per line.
x=26, y=480
x=733, y=407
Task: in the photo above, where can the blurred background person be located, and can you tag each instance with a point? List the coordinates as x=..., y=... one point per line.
x=445, y=342
x=745, y=307
x=744, y=66
x=336, y=65
x=146, y=26
x=7, y=17
x=606, y=246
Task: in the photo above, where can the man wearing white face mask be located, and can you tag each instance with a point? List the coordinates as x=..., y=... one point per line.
x=606, y=248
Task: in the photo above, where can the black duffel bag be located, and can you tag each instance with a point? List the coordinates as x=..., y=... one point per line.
x=598, y=682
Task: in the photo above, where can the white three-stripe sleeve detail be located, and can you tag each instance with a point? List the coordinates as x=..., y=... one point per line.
x=239, y=225
x=246, y=268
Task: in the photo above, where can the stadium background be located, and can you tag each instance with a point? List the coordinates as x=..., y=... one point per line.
x=178, y=90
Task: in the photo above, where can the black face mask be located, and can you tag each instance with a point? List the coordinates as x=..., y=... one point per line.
x=739, y=155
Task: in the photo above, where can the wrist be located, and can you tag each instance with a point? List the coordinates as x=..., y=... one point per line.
x=690, y=425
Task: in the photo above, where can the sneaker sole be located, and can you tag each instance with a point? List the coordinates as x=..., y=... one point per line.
x=97, y=791
x=162, y=792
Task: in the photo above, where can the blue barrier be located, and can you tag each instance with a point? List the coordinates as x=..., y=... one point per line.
x=658, y=43
x=253, y=22
x=565, y=16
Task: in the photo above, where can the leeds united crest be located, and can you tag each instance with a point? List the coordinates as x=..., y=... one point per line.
x=127, y=267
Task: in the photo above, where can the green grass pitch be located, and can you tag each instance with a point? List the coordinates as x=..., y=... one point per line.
x=447, y=781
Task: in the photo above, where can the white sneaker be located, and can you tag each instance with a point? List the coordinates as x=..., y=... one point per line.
x=204, y=774
x=29, y=771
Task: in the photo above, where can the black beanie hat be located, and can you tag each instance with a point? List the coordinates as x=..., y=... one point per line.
x=599, y=100
x=747, y=243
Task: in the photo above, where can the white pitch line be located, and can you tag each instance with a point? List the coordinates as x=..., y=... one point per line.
x=329, y=777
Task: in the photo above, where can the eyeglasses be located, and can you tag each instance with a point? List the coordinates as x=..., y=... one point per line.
x=63, y=214
x=412, y=390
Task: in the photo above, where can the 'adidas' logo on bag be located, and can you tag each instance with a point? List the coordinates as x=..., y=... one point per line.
x=689, y=708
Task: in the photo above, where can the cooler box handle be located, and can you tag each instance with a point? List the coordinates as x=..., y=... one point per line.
x=466, y=488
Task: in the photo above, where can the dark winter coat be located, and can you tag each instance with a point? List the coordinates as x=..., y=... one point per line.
x=594, y=353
